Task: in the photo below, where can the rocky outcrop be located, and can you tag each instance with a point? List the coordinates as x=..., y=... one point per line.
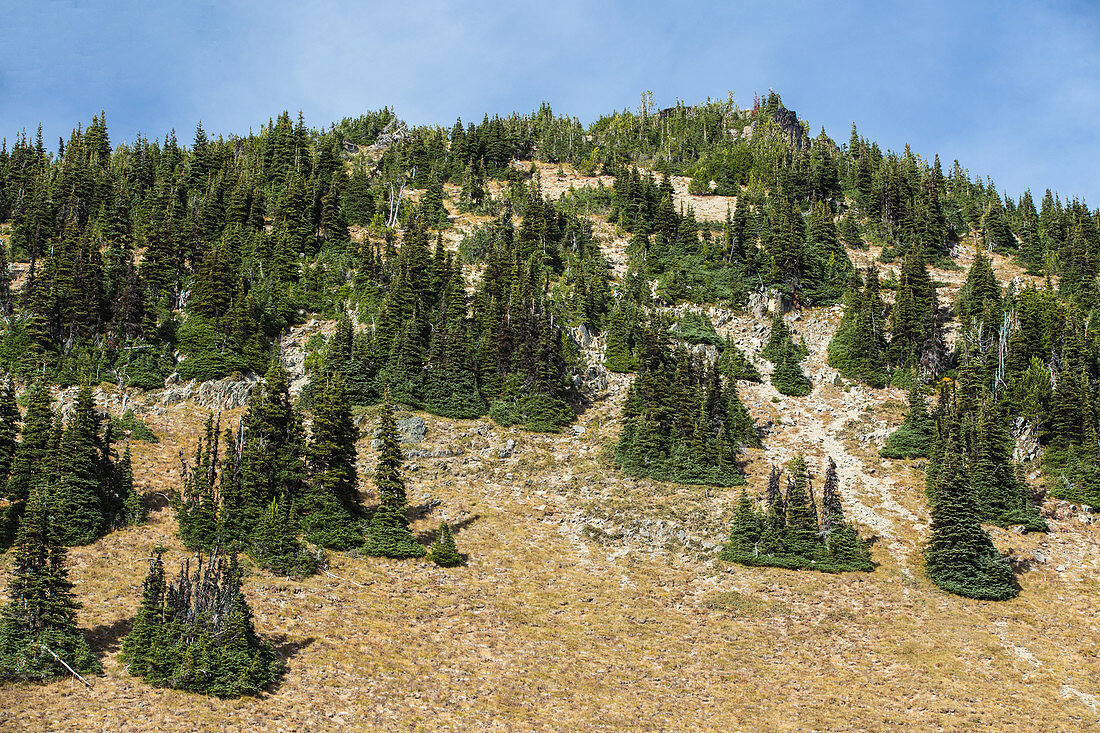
x=787, y=120
x=216, y=395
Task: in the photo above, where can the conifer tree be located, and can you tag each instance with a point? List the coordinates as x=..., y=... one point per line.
x=9, y=428
x=858, y=349
x=787, y=375
x=80, y=495
x=745, y=531
x=801, y=530
x=197, y=633
x=832, y=508
x=40, y=615
x=331, y=505
x=388, y=534
x=198, y=506
x=145, y=650
x=914, y=437
x=274, y=543
x=443, y=552
x=451, y=388
x=31, y=460
x=960, y=556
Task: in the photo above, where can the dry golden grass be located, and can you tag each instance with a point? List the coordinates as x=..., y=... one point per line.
x=593, y=601
x=570, y=615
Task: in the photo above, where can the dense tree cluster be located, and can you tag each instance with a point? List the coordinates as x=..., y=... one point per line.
x=74, y=462
x=38, y=633
x=791, y=531
x=681, y=421
x=269, y=485
x=196, y=633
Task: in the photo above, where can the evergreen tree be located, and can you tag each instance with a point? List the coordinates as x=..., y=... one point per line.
x=832, y=508
x=914, y=437
x=444, y=553
x=801, y=530
x=331, y=505
x=787, y=375
x=274, y=544
x=145, y=650
x=198, y=505
x=960, y=557
x=745, y=531
x=388, y=534
x=81, y=497
x=9, y=428
x=788, y=535
x=197, y=633
x=858, y=349
x=40, y=615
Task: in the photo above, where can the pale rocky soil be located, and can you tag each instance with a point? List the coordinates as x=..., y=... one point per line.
x=593, y=601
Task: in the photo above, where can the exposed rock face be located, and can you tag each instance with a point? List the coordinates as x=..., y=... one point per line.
x=216, y=395
x=788, y=122
x=1027, y=441
x=763, y=302
x=410, y=430
x=393, y=132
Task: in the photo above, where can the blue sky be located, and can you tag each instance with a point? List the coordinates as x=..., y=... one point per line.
x=1010, y=89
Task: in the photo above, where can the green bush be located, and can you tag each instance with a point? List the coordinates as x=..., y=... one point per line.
x=130, y=424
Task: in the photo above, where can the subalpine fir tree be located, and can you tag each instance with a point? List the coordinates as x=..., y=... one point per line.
x=801, y=534
x=197, y=633
x=330, y=505
x=31, y=459
x=39, y=619
x=735, y=365
x=619, y=351
x=9, y=428
x=832, y=508
x=745, y=531
x=780, y=334
x=451, y=388
x=131, y=509
x=198, y=505
x=80, y=495
x=787, y=375
x=858, y=349
x=388, y=534
x=270, y=464
x=274, y=544
x=960, y=556
x=443, y=552
x=788, y=535
x=145, y=650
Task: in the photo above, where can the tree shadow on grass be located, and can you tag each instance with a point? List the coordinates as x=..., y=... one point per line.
x=429, y=536
x=107, y=638
x=285, y=648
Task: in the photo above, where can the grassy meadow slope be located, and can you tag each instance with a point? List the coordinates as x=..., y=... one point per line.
x=595, y=601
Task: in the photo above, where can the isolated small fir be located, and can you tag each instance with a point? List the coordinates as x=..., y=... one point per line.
x=444, y=552
x=388, y=534
x=913, y=439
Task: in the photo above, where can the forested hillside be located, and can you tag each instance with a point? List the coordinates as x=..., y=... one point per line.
x=307, y=414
